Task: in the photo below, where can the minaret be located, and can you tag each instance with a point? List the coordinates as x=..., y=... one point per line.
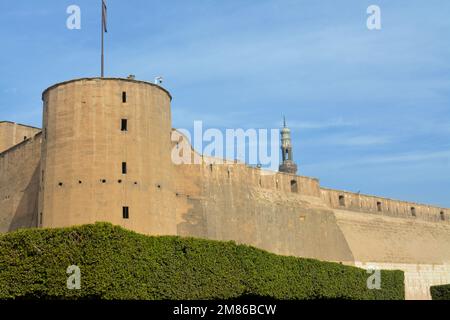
x=288, y=165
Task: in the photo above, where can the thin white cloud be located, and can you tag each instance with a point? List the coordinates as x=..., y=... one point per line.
x=362, y=141
x=400, y=158
x=408, y=157
x=320, y=125
x=185, y=117
x=28, y=12
x=10, y=90
x=349, y=140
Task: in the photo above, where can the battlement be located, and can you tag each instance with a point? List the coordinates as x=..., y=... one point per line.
x=227, y=171
x=12, y=133
x=21, y=144
x=260, y=178
x=235, y=171
x=344, y=200
x=308, y=186
x=6, y=122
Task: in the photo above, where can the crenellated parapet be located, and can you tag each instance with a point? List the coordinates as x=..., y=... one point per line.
x=12, y=133
x=344, y=200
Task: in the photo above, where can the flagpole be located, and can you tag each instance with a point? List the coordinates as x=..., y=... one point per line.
x=103, y=56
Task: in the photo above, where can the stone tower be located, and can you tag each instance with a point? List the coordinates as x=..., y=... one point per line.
x=288, y=165
x=106, y=155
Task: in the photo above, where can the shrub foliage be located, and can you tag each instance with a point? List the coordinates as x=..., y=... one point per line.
x=119, y=264
x=440, y=292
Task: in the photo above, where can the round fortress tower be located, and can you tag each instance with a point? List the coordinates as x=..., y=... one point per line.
x=106, y=155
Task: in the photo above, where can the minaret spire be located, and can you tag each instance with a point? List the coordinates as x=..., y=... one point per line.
x=288, y=165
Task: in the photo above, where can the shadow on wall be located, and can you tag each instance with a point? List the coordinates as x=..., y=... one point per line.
x=194, y=220
x=26, y=215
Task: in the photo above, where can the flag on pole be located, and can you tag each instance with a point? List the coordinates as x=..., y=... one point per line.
x=104, y=16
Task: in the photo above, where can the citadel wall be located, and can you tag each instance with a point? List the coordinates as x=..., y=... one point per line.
x=236, y=202
x=12, y=133
x=228, y=203
x=19, y=185
x=79, y=178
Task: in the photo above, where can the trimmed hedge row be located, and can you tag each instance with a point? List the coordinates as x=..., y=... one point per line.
x=119, y=264
x=440, y=292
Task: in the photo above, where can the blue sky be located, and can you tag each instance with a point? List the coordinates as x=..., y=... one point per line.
x=369, y=110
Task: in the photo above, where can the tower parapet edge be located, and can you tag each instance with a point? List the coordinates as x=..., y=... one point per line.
x=130, y=79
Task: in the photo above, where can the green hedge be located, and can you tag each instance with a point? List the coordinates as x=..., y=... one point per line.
x=440, y=292
x=119, y=264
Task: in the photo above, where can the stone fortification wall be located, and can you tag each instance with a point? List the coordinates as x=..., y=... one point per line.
x=19, y=185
